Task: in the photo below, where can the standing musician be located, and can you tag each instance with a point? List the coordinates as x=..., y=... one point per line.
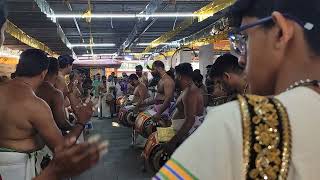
x=189, y=111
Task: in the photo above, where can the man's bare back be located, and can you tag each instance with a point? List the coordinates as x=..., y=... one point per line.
x=54, y=98
x=18, y=106
x=140, y=93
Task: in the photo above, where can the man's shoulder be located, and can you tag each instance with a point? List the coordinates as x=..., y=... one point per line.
x=224, y=112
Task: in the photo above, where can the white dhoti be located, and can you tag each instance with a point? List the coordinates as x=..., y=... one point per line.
x=178, y=123
x=17, y=166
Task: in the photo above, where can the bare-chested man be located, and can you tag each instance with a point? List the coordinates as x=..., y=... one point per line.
x=165, y=90
x=54, y=97
x=142, y=77
x=65, y=67
x=189, y=110
x=69, y=159
x=27, y=123
x=140, y=92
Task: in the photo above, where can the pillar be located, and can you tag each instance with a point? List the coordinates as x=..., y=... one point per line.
x=181, y=57
x=206, y=57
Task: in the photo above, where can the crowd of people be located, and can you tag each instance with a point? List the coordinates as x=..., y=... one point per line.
x=220, y=130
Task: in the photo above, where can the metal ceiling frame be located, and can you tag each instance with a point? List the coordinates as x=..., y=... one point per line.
x=142, y=23
x=47, y=10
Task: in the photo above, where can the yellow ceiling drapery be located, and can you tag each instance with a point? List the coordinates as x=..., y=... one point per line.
x=208, y=10
x=17, y=33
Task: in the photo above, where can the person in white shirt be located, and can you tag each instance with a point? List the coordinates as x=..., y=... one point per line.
x=272, y=136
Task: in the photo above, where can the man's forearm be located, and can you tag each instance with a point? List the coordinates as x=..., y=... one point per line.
x=183, y=132
x=74, y=102
x=48, y=174
x=164, y=106
x=76, y=131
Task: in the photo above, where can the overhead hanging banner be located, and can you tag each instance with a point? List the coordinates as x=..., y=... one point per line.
x=17, y=33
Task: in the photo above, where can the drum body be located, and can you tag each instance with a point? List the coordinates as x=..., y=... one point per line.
x=154, y=155
x=145, y=125
x=121, y=100
x=126, y=116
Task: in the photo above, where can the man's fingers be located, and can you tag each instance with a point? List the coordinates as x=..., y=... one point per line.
x=67, y=143
x=103, y=148
x=94, y=139
x=70, y=141
x=77, y=149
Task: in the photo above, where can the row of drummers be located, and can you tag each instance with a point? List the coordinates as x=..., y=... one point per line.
x=179, y=118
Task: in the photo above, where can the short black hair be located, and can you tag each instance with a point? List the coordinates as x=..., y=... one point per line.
x=306, y=12
x=184, y=69
x=32, y=62
x=139, y=67
x=65, y=60
x=251, y=8
x=3, y=12
x=225, y=63
x=197, y=71
x=197, y=77
x=158, y=64
x=53, y=68
x=133, y=77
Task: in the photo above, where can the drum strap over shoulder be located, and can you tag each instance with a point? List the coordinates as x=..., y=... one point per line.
x=266, y=138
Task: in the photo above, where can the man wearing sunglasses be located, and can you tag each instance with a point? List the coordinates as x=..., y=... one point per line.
x=260, y=137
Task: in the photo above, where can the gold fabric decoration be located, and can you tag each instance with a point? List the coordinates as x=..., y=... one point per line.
x=8, y=60
x=17, y=33
x=266, y=138
x=209, y=9
x=212, y=8
x=165, y=134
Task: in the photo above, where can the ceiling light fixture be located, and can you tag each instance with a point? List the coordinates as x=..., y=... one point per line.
x=104, y=16
x=108, y=54
x=148, y=44
x=93, y=45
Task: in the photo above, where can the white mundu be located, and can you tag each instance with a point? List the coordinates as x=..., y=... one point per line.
x=17, y=166
x=216, y=150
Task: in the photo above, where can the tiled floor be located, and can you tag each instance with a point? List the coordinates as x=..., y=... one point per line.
x=122, y=162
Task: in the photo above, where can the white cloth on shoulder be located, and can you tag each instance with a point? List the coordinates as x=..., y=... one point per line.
x=219, y=140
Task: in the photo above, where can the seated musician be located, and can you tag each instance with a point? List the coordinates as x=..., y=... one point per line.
x=198, y=81
x=189, y=111
x=140, y=92
x=165, y=91
x=142, y=76
x=228, y=79
x=24, y=133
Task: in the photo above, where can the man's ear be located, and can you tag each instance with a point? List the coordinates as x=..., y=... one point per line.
x=226, y=76
x=284, y=30
x=43, y=74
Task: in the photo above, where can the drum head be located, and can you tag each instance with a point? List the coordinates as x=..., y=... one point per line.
x=158, y=158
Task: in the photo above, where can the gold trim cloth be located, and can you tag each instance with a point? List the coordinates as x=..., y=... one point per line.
x=266, y=138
